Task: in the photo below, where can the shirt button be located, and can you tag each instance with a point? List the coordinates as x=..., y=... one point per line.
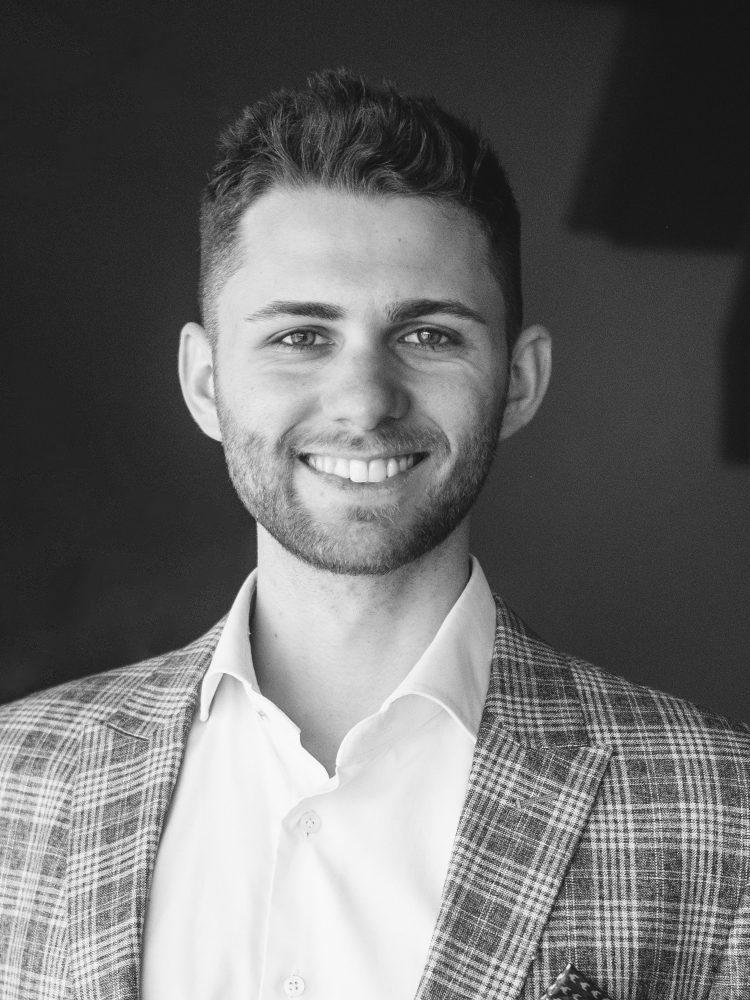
x=310, y=823
x=294, y=986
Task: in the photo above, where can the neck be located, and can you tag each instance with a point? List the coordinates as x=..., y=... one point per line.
x=328, y=649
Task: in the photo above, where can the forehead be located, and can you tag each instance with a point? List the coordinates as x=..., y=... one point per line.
x=303, y=242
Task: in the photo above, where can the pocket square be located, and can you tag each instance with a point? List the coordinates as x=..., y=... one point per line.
x=574, y=985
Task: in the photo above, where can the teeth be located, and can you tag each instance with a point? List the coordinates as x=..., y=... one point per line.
x=377, y=471
x=359, y=471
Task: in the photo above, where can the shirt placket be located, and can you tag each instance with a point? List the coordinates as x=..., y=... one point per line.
x=287, y=970
x=301, y=897
x=290, y=904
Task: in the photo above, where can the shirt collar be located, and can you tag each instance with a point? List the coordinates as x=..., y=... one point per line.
x=232, y=654
x=453, y=671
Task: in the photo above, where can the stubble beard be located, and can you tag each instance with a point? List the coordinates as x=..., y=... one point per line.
x=374, y=539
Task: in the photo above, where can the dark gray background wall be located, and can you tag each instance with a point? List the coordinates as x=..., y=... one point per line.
x=617, y=524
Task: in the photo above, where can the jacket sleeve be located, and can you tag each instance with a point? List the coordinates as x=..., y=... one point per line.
x=733, y=972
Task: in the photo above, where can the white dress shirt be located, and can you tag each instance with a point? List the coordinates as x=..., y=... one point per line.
x=274, y=879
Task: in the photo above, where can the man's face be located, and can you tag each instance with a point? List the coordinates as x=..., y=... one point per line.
x=360, y=374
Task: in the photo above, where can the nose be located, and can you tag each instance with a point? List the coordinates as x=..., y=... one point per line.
x=363, y=388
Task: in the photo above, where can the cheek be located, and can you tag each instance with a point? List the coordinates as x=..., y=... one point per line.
x=461, y=407
x=261, y=401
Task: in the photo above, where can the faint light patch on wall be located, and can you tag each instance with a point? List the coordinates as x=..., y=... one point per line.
x=668, y=164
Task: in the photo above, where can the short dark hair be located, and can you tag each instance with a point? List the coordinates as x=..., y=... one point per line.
x=345, y=133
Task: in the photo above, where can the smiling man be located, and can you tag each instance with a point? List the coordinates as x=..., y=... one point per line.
x=357, y=376
x=370, y=779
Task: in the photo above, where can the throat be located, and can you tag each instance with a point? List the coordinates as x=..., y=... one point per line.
x=326, y=688
x=328, y=649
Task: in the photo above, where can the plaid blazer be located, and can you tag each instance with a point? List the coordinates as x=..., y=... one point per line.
x=604, y=824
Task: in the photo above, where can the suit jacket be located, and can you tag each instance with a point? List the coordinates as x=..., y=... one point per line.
x=604, y=824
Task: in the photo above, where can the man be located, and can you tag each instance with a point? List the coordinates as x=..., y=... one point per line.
x=370, y=780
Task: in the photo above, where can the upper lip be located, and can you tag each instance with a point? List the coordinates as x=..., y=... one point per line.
x=362, y=457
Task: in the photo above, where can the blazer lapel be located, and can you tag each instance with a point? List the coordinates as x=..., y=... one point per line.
x=533, y=783
x=128, y=766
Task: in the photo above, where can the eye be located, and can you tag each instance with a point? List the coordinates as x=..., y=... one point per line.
x=427, y=336
x=303, y=339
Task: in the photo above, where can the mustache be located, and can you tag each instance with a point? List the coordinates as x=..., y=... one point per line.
x=393, y=441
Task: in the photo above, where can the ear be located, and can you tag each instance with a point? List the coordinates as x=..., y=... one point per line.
x=196, y=369
x=530, y=367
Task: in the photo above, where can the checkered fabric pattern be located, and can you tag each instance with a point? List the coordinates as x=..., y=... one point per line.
x=605, y=825
x=86, y=774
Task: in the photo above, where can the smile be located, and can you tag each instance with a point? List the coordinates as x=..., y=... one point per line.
x=375, y=470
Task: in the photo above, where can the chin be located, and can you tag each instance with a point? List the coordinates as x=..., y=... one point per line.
x=368, y=545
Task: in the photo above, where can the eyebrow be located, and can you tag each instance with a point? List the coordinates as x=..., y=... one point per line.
x=285, y=307
x=414, y=308
x=398, y=312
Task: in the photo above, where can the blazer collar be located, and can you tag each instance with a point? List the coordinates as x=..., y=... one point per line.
x=128, y=766
x=533, y=782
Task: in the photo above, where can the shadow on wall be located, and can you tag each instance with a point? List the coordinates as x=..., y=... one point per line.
x=668, y=166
